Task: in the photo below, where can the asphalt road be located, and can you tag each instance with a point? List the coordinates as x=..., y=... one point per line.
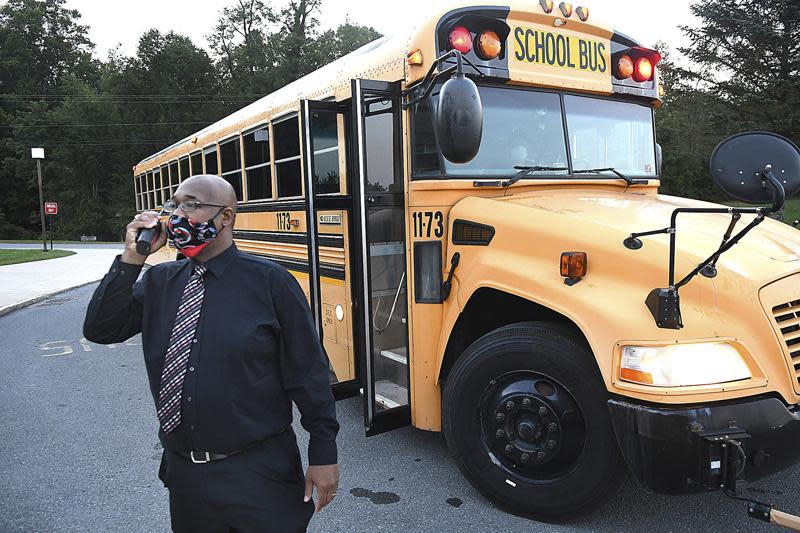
x=79, y=452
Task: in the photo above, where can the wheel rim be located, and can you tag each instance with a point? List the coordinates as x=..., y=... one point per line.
x=531, y=426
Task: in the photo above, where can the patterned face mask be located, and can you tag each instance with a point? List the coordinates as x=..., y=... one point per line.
x=191, y=236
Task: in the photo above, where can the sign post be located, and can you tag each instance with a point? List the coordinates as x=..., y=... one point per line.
x=51, y=210
x=38, y=155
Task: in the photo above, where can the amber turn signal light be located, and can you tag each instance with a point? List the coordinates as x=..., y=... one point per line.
x=624, y=67
x=573, y=265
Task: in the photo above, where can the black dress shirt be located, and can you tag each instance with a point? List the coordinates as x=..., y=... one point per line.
x=256, y=350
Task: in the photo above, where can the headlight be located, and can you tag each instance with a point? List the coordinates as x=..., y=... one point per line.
x=681, y=365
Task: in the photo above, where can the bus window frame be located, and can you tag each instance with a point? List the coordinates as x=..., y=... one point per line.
x=192, y=170
x=289, y=115
x=240, y=170
x=561, y=177
x=205, y=150
x=341, y=149
x=188, y=160
x=173, y=181
x=267, y=125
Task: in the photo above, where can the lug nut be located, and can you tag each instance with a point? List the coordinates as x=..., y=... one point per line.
x=500, y=417
x=540, y=457
x=510, y=405
x=551, y=444
x=552, y=426
x=524, y=458
x=526, y=403
x=509, y=449
x=500, y=434
x=542, y=411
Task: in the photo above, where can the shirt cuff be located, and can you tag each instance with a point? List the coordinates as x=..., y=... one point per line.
x=321, y=452
x=128, y=270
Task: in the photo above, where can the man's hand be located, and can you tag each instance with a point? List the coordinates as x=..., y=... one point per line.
x=326, y=479
x=147, y=219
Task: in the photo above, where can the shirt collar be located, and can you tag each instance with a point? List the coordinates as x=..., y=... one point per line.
x=217, y=264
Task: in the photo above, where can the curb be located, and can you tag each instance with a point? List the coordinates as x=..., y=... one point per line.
x=37, y=299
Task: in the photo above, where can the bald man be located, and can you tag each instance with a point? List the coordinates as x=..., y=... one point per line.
x=228, y=344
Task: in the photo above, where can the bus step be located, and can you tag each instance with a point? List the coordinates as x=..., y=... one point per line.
x=389, y=394
x=399, y=355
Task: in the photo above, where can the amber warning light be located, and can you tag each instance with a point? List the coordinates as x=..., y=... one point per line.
x=573, y=266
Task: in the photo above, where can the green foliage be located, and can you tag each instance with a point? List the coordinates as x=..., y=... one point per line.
x=97, y=119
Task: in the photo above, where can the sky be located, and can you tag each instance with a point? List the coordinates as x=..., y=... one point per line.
x=115, y=22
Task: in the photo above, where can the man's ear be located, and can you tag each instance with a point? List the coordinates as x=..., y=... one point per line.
x=228, y=217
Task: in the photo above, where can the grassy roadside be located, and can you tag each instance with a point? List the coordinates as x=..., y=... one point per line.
x=12, y=256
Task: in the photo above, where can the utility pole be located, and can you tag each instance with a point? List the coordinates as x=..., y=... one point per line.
x=38, y=155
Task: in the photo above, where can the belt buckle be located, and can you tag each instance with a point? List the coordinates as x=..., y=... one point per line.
x=200, y=461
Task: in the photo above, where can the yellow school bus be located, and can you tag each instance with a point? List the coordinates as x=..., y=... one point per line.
x=502, y=295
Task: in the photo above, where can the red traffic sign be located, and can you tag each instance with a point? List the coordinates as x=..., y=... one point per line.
x=51, y=208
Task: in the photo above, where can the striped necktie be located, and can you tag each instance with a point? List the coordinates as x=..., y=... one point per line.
x=180, y=345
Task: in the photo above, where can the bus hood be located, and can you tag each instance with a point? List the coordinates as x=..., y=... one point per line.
x=698, y=235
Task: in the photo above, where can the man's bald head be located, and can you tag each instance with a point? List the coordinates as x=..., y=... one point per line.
x=209, y=189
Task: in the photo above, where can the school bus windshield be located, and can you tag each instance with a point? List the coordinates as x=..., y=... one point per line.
x=525, y=127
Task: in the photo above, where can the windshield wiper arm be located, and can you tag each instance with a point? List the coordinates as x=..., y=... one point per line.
x=525, y=171
x=629, y=181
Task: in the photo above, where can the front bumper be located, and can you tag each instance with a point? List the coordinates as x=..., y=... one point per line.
x=668, y=448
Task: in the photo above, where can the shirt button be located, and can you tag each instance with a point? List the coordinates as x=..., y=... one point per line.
x=191, y=427
x=194, y=340
x=191, y=369
x=188, y=398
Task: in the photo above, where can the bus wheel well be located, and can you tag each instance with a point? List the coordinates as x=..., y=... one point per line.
x=489, y=309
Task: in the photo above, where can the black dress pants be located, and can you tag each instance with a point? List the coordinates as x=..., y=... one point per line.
x=258, y=490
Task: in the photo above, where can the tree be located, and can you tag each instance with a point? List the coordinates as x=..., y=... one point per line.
x=748, y=54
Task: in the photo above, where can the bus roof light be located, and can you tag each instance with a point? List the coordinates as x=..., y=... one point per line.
x=624, y=68
x=547, y=5
x=461, y=39
x=415, y=57
x=583, y=13
x=566, y=9
x=488, y=45
x=642, y=70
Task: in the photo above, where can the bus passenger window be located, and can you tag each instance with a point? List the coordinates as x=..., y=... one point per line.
x=232, y=165
x=257, y=167
x=287, y=157
x=164, y=186
x=197, y=164
x=326, y=152
x=151, y=188
x=210, y=155
x=173, y=179
x=184, y=166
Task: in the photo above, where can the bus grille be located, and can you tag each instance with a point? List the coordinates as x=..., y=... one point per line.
x=788, y=318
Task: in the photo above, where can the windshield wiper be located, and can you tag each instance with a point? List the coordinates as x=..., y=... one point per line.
x=629, y=181
x=525, y=171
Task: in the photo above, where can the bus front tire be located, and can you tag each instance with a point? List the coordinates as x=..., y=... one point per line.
x=524, y=413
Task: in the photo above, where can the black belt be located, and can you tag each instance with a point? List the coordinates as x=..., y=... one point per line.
x=198, y=457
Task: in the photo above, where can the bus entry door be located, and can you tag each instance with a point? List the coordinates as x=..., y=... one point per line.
x=328, y=221
x=379, y=210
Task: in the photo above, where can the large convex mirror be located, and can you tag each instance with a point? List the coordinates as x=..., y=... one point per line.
x=737, y=164
x=458, y=119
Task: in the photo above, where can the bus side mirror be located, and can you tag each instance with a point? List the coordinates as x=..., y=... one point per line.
x=458, y=119
x=757, y=167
